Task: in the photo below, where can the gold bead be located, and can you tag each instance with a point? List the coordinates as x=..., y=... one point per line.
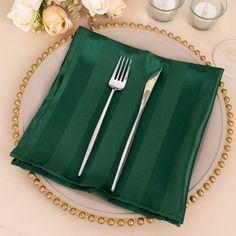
x=15, y=118
x=36, y=182
x=224, y=156
x=193, y=198
x=227, y=148
x=16, y=135
x=212, y=179
x=227, y=99
x=92, y=28
x=56, y=201
x=50, y=49
x=229, y=139
x=69, y=37
x=44, y=55
x=140, y=26
x=230, y=131
x=49, y=195
x=191, y=47
x=16, y=111
x=108, y=25
x=163, y=32
x=150, y=220
x=148, y=27
x=217, y=171
x=39, y=61
x=62, y=41
x=72, y=211
x=101, y=220
x=171, y=35
x=132, y=25
x=82, y=215
x=197, y=52
x=221, y=164
x=94, y=18
x=110, y=222
x=202, y=58
x=200, y=193
x=56, y=45
x=187, y=204
x=230, y=115
x=64, y=206
x=25, y=80
x=130, y=222
x=42, y=189
x=230, y=123
x=116, y=24
x=15, y=127
x=184, y=42
x=224, y=91
x=140, y=221
x=155, y=29
x=208, y=63
x=206, y=186
x=22, y=87
x=19, y=95
x=221, y=84
x=91, y=218
x=34, y=67
x=29, y=73
x=228, y=107
x=31, y=175
x=16, y=142
x=177, y=38
x=17, y=102
x=120, y=222
x=100, y=26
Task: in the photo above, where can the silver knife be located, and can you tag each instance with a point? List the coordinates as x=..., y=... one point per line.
x=146, y=94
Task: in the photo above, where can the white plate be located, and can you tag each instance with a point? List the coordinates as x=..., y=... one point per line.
x=211, y=145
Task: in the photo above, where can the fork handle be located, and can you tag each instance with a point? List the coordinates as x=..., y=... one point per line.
x=126, y=150
x=95, y=133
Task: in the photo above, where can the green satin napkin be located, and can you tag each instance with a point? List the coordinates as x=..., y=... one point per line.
x=156, y=177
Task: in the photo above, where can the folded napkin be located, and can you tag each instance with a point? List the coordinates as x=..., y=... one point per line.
x=156, y=176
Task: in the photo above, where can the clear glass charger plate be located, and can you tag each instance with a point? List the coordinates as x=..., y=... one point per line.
x=213, y=150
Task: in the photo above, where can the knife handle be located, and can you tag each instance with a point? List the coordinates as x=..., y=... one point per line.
x=126, y=150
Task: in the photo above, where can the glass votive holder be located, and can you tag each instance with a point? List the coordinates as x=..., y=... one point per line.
x=204, y=13
x=164, y=10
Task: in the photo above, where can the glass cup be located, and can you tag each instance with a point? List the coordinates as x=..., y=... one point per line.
x=164, y=10
x=224, y=55
x=204, y=13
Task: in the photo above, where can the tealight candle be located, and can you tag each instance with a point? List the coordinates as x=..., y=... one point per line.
x=204, y=13
x=164, y=10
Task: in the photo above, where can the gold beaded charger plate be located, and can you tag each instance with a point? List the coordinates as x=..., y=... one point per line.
x=213, y=150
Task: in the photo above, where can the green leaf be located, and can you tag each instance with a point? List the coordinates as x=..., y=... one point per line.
x=36, y=21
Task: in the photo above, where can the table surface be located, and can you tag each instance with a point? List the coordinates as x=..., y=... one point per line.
x=26, y=212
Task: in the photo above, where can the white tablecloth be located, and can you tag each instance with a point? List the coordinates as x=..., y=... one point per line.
x=26, y=212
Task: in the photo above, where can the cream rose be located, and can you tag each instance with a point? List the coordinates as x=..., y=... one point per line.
x=99, y=7
x=55, y=20
x=116, y=8
x=22, y=12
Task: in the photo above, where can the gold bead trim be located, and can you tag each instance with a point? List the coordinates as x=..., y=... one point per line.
x=102, y=219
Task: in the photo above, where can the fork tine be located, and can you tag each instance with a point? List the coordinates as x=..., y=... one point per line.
x=116, y=68
x=120, y=69
x=125, y=68
x=127, y=71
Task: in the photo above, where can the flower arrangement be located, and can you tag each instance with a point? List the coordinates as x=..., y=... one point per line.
x=51, y=15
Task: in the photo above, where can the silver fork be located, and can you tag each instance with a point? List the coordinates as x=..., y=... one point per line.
x=117, y=82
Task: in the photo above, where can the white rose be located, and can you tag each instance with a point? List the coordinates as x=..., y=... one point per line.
x=116, y=8
x=99, y=7
x=22, y=12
